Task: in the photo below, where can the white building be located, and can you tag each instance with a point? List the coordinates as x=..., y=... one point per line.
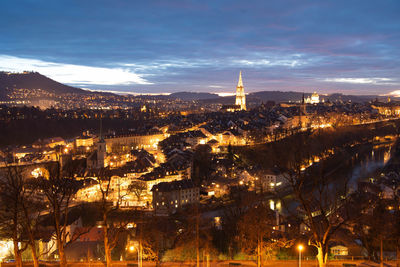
x=168, y=197
x=314, y=99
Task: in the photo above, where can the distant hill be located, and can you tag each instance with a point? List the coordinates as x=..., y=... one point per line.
x=279, y=96
x=354, y=98
x=276, y=96
x=34, y=80
x=189, y=96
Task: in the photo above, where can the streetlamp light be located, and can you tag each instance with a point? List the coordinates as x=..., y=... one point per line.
x=300, y=248
x=132, y=249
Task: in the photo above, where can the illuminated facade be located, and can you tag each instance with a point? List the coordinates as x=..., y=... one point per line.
x=168, y=197
x=54, y=142
x=148, y=142
x=314, y=99
x=85, y=141
x=240, y=96
x=387, y=109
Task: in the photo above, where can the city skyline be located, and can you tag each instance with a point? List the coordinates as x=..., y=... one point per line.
x=164, y=47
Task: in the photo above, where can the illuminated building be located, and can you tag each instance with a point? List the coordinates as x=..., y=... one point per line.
x=240, y=96
x=85, y=141
x=240, y=102
x=5, y=247
x=339, y=250
x=387, y=109
x=53, y=142
x=22, y=152
x=118, y=192
x=168, y=197
x=97, y=159
x=314, y=99
x=230, y=138
x=303, y=114
x=133, y=141
x=271, y=180
x=101, y=153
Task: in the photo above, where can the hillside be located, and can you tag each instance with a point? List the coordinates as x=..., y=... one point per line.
x=193, y=96
x=276, y=96
x=33, y=80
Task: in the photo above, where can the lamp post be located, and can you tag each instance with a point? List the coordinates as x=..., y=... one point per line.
x=132, y=248
x=300, y=248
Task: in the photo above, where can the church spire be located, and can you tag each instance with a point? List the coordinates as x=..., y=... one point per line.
x=240, y=96
x=101, y=139
x=240, y=82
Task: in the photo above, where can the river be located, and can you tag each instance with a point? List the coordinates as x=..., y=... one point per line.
x=368, y=162
x=351, y=165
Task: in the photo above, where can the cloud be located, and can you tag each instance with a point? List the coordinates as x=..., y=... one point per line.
x=395, y=93
x=73, y=74
x=253, y=60
x=386, y=81
x=264, y=62
x=226, y=94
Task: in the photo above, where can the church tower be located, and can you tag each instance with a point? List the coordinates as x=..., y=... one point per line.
x=240, y=96
x=101, y=149
x=101, y=153
x=303, y=107
x=303, y=113
x=97, y=158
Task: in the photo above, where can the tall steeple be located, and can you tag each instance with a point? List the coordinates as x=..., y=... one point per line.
x=240, y=96
x=303, y=112
x=240, y=82
x=101, y=148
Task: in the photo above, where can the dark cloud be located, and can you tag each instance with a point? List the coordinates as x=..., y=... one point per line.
x=190, y=45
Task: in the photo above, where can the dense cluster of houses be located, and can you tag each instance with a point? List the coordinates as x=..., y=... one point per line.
x=161, y=160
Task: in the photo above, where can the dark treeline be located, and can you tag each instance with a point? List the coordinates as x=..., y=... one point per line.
x=25, y=132
x=314, y=143
x=246, y=226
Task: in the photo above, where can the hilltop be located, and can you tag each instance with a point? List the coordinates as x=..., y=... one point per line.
x=276, y=96
x=10, y=83
x=193, y=96
x=34, y=80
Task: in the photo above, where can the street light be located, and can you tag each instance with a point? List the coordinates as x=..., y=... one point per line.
x=132, y=249
x=300, y=248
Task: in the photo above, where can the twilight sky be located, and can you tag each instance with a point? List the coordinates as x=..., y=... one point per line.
x=146, y=46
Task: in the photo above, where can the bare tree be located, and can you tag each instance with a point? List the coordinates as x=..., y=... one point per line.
x=58, y=191
x=11, y=209
x=258, y=234
x=32, y=208
x=194, y=232
x=322, y=204
x=26, y=208
x=138, y=188
x=154, y=235
x=112, y=226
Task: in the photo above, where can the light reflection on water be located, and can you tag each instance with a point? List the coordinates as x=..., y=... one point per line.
x=367, y=164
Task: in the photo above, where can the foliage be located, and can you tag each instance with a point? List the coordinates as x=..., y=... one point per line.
x=138, y=188
x=313, y=143
x=202, y=164
x=58, y=191
x=187, y=252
